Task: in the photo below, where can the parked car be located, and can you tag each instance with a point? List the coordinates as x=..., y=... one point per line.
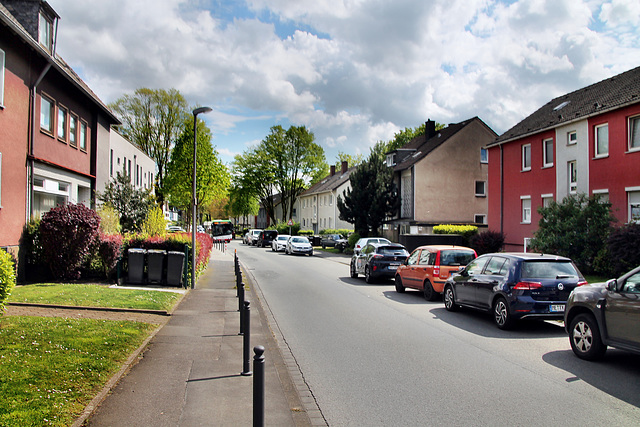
x=247, y=238
x=279, y=243
x=514, y=286
x=428, y=267
x=361, y=243
x=266, y=237
x=254, y=233
x=333, y=241
x=175, y=229
x=298, y=245
x=605, y=314
x=378, y=260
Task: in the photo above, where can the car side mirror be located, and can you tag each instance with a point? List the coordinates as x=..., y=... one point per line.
x=612, y=285
x=464, y=273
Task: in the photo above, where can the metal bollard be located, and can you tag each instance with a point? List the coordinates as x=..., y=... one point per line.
x=240, y=296
x=246, y=341
x=258, y=386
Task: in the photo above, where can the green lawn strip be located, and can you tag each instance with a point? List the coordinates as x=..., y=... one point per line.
x=51, y=368
x=595, y=279
x=91, y=295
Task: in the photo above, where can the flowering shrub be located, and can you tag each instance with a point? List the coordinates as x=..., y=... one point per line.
x=7, y=277
x=487, y=242
x=109, y=250
x=67, y=233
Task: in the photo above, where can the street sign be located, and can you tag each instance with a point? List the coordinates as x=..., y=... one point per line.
x=290, y=223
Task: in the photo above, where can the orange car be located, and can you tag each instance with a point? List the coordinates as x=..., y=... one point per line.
x=428, y=267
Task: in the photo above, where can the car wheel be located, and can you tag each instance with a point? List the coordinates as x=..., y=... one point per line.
x=584, y=336
x=429, y=293
x=272, y=249
x=367, y=275
x=501, y=314
x=450, y=299
x=399, y=286
x=324, y=246
x=354, y=273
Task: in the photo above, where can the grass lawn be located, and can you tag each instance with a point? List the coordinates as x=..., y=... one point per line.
x=50, y=367
x=91, y=295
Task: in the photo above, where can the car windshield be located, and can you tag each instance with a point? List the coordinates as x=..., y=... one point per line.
x=299, y=240
x=548, y=270
x=456, y=257
x=392, y=250
x=283, y=237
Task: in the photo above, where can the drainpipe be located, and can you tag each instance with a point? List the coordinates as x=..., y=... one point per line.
x=501, y=190
x=32, y=132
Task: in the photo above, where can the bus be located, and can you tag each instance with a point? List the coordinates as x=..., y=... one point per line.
x=222, y=229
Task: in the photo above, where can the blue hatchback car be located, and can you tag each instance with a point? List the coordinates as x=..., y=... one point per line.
x=514, y=286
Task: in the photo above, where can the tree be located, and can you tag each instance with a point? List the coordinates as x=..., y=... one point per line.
x=254, y=174
x=242, y=203
x=212, y=175
x=577, y=228
x=403, y=137
x=132, y=204
x=352, y=161
x=153, y=120
x=372, y=196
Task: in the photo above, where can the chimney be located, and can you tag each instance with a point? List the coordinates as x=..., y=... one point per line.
x=430, y=130
x=344, y=167
x=333, y=170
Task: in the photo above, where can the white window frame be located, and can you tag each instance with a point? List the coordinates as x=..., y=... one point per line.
x=634, y=133
x=481, y=217
x=602, y=194
x=52, y=115
x=545, y=152
x=526, y=148
x=633, y=206
x=73, y=130
x=484, y=189
x=1, y=78
x=45, y=31
x=572, y=176
x=526, y=210
x=546, y=199
x=572, y=141
x=83, y=135
x=596, y=138
x=484, y=155
x=62, y=124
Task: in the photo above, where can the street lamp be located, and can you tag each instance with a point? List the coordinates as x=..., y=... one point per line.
x=193, y=217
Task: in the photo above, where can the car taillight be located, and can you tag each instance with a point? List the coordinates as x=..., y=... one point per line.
x=527, y=285
x=584, y=282
x=436, y=270
x=378, y=256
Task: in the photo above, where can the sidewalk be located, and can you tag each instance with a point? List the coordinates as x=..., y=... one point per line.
x=189, y=374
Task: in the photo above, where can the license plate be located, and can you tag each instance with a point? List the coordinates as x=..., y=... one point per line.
x=393, y=267
x=557, y=308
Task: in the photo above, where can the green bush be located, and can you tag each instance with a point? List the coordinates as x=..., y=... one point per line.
x=109, y=219
x=7, y=277
x=36, y=269
x=342, y=231
x=622, y=251
x=305, y=233
x=353, y=239
x=487, y=242
x=283, y=228
x=154, y=224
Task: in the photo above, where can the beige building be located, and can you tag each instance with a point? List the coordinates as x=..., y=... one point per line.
x=441, y=178
x=318, y=205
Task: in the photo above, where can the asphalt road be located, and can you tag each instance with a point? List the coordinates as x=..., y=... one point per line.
x=373, y=357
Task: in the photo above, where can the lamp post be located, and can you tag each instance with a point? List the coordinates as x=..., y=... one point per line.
x=193, y=213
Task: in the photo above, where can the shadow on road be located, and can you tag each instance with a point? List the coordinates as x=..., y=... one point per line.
x=617, y=375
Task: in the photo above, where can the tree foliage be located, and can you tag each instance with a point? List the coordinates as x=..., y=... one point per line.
x=7, y=277
x=352, y=160
x=154, y=224
x=405, y=136
x=212, y=180
x=623, y=250
x=131, y=203
x=153, y=120
x=373, y=195
x=577, y=227
x=242, y=203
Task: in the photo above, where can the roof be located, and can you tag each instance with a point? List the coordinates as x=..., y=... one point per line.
x=420, y=146
x=610, y=94
x=329, y=183
x=56, y=61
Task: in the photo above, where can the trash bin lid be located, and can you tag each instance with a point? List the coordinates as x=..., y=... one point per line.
x=137, y=250
x=175, y=253
x=156, y=251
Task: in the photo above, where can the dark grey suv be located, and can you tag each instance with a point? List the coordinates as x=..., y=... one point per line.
x=605, y=314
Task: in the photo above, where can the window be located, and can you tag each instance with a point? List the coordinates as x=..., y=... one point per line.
x=481, y=188
x=62, y=123
x=547, y=199
x=602, y=140
x=330, y=199
x=83, y=136
x=526, y=157
x=633, y=195
x=484, y=155
x=1, y=78
x=47, y=193
x=547, y=146
x=73, y=130
x=46, y=114
x=602, y=195
x=111, y=163
x=634, y=132
x=573, y=177
x=44, y=32
x=479, y=219
x=572, y=138
x=526, y=209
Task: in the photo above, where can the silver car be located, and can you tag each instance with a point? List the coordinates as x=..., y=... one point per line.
x=298, y=245
x=280, y=243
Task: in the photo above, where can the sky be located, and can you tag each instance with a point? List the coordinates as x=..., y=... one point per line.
x=353, y=72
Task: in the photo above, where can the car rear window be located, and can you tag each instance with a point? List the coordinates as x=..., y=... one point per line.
x=547, y=269
x=392, y=250
x=456, y=257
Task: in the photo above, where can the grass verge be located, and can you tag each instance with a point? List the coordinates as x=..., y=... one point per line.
x=50, y=367
x=90, y=295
